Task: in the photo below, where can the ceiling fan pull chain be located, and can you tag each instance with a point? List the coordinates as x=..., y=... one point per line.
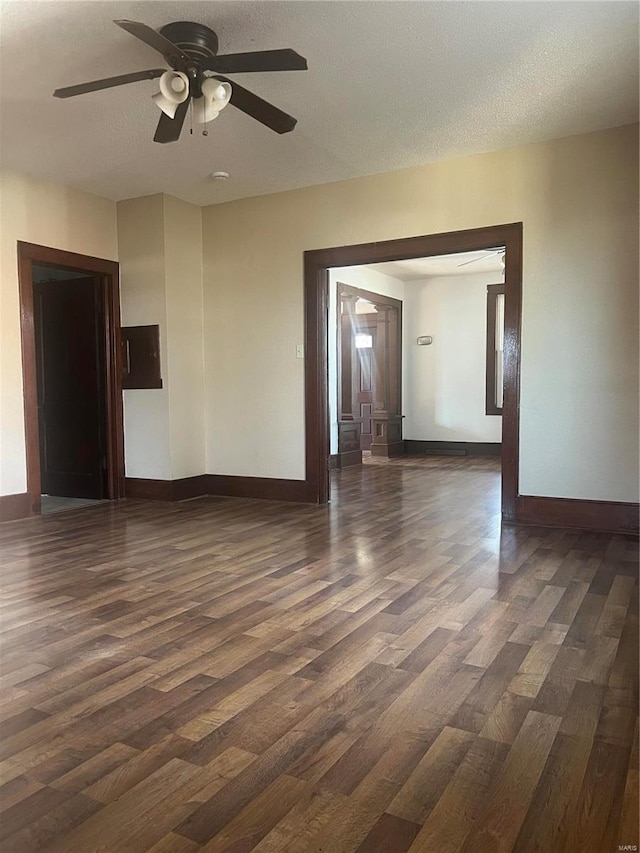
x=191, y=116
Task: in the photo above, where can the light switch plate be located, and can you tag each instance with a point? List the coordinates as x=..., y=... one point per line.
x=300, y=351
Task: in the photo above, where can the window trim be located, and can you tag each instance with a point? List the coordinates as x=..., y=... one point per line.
x=493, y=291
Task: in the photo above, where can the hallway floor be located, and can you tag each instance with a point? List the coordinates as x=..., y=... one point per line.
x=53, y=503
x=388, y=673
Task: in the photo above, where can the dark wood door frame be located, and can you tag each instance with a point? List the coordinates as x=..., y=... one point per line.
x=317, y=263
x=108, y=271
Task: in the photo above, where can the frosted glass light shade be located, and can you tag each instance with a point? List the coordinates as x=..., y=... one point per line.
x=174, y=90
x=215, y=97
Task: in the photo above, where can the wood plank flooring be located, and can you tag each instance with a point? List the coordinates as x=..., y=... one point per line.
x=391, y=673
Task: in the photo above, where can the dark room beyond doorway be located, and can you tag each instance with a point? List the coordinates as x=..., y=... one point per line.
x=69, y=331
x=72, y=377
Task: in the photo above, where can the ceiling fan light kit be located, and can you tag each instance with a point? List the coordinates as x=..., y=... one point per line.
x=174, y=89
x=191, y=51
x=215, y=97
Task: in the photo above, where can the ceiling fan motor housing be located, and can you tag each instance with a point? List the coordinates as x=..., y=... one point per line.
x=196, y=40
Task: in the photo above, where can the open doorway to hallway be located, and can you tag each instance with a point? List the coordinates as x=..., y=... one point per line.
x=415, y=358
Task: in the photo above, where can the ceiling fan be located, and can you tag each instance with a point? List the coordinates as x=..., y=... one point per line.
x=488, y=253
x=195, y=75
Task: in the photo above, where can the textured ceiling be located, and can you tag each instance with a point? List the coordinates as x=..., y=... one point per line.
x=390, y=85
x=461, y=263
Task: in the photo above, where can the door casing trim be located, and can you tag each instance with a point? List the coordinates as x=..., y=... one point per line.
x=317, y=263
x=28, y=254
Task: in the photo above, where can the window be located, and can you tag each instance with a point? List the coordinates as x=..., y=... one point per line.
x=495, y=348
x=364, y=341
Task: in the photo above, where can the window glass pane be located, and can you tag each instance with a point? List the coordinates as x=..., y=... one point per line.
x=499, y=347
x=499, y=322
x=499, y=379
x=495, y=346
x=363, y=341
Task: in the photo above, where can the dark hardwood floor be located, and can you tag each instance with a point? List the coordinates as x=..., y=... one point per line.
x=391, y=673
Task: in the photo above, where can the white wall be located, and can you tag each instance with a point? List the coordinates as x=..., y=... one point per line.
x=578, y=200
x=364, y=279
x=444, y=383
x=50, y=215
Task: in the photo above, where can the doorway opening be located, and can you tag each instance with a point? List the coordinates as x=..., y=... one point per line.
x=318, y=263
x=415, y=361
x=70, y=318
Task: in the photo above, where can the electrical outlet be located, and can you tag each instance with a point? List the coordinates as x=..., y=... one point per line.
x=300, y=351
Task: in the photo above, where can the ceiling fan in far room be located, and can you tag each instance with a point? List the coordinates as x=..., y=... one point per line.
x=195, y=76
x=487, y=253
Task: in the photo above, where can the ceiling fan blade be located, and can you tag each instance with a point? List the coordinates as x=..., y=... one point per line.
x=482, y=258
x=169, y=129
x=108, y=83
x=259, y=109
x=168, y=49
x=259, y=60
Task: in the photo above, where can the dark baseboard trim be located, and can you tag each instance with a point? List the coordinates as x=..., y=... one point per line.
x=13, y=507
x=388, y=451
x=453, y=448
x=334, y=461
x=350, y=457
x=265, y=488
x=166, y=490
x=147, y=490
x=189, y=487
x=219, y=485
x=598, y=516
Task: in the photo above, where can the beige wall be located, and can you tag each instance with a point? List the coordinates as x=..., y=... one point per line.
x=141, y=247
x=160, y=243
x=50, y=215
x=185, y=344
x=578, y=199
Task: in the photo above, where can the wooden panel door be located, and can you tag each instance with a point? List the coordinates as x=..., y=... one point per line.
x=364, y=342
x=69, y=329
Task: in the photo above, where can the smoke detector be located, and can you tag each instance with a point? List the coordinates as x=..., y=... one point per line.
x=220, y=176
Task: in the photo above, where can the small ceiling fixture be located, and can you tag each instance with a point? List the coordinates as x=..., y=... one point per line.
x=220, y=176
x=191, y=51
